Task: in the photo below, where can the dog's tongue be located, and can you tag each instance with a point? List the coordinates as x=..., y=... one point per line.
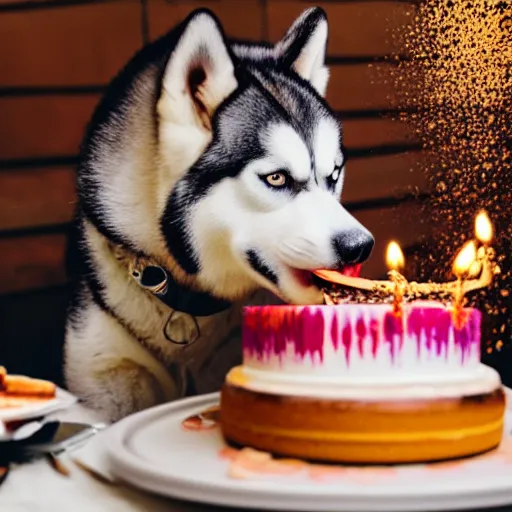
x=332, y=276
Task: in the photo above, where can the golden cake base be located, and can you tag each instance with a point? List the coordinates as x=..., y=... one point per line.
x=362, y=432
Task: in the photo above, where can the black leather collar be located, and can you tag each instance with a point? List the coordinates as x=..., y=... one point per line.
x=161, y=284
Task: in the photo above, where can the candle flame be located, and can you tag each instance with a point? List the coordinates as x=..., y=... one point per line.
x=395, y=257
x=483, y=228
x=464, y=260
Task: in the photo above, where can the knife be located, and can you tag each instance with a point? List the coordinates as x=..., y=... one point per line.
x=37, y=439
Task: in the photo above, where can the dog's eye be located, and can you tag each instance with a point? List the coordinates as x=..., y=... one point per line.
x=277, y=179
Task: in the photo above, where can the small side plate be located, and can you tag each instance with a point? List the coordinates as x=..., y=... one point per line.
x=62, y=400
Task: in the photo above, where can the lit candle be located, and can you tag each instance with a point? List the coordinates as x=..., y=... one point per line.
x=461, y=268
x=464, y=260
x=484, y=230
x=484, y=233
x=396, y=262
x=486, y=264
x=395, y=257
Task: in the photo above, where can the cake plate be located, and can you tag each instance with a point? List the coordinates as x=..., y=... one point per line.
x=176, y=450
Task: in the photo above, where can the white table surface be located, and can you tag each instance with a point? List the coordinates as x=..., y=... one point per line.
x=37, y=487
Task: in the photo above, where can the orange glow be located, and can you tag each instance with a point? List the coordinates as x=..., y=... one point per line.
x=464, y=259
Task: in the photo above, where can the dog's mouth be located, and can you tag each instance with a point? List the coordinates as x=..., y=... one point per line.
x=322, y=277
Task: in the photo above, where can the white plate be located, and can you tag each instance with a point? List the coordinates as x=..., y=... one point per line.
x=153, y=451
x=62, y=400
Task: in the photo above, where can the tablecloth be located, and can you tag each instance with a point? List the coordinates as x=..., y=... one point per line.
x=37, y=487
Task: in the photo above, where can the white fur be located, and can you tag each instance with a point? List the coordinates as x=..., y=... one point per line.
x=288, y=151
x=107, y=367
x=201, y=46
x=326, y=147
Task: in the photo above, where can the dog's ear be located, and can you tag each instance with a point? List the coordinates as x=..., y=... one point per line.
x=304, y=46
x=200, y=73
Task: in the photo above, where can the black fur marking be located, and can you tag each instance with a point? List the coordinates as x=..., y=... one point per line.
x=113, y=109
x=260, y=266
x=81, y=272
x=175, y=232
x=84, y=279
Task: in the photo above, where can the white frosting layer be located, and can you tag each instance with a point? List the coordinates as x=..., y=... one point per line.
x=482, y=379
x=362, y=344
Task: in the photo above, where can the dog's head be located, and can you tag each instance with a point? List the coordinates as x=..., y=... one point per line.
x=255, y=162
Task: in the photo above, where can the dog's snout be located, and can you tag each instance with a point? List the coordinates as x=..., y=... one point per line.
x=353, y=246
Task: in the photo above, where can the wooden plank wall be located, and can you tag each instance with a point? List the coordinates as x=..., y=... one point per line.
x=57, y=56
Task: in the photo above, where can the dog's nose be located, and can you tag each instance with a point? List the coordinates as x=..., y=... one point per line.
x=353, y=246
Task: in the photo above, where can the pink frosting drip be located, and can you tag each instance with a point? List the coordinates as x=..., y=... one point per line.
x=393, y=333
x=374, y=333
x=361, y=334
x=434, y=325
x=268, y=330
x=334, y=332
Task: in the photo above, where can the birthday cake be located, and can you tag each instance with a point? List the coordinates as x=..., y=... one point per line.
x=360, y=383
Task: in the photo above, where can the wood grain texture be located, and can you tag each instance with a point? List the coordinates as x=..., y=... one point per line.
x=355, y=28
x=37, y=4
x=381, y=177
x=370, y=133
x=40, y=126
x=361, y=87
x=36, y=197
x=31, y=262
x=68, y=45
x=240, y=19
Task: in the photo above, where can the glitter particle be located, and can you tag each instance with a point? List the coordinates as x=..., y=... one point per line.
x=455, y=92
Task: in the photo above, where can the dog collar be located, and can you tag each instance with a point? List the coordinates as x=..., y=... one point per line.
x=161, y=284
x=157, y=280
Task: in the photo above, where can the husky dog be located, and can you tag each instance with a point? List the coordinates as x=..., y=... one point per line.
x=211, y=169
